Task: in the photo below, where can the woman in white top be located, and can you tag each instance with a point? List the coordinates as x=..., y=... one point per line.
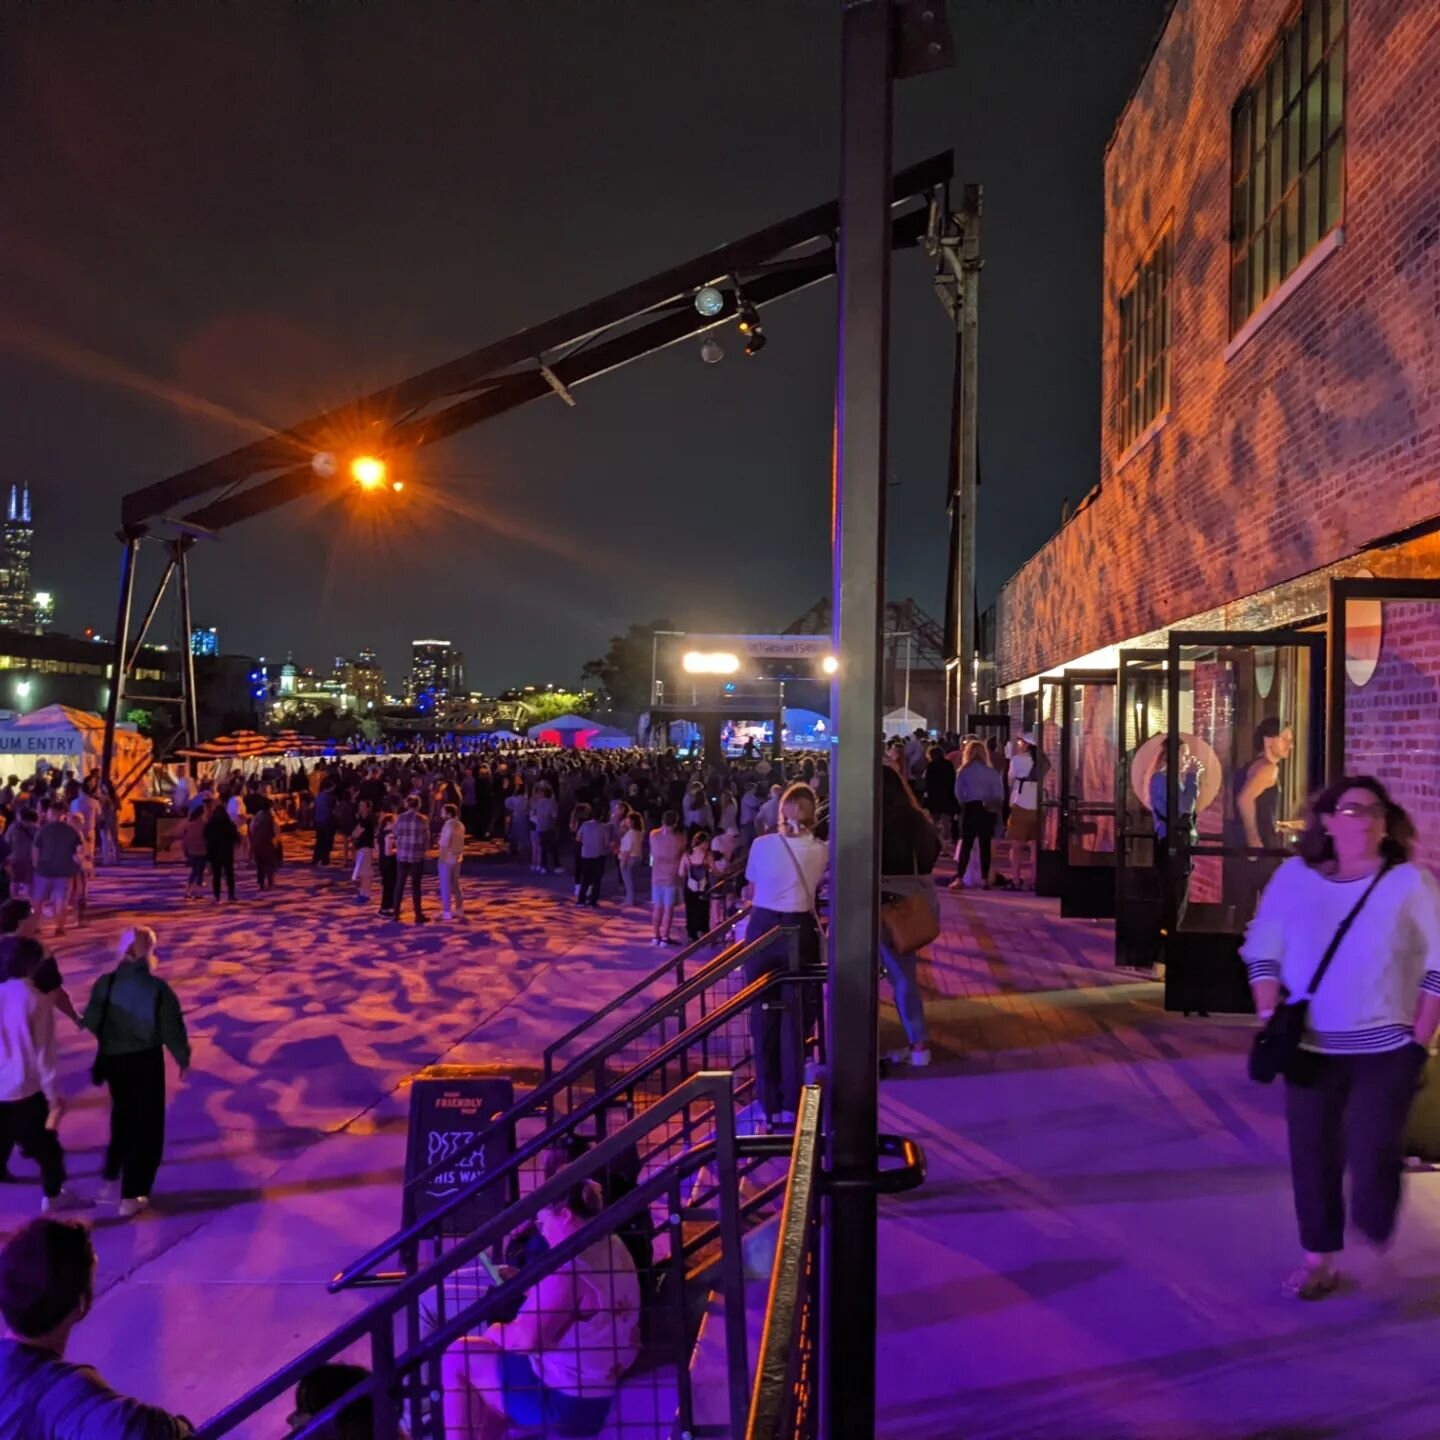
x=1370, y=1021
x=555, y=1367
x=784, y=869
x=631, y=852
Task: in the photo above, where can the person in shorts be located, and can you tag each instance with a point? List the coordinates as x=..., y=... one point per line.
x=1024, y=827
x=57, y=862
x=667, y=849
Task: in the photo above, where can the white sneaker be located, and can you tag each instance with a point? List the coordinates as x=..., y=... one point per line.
x=67, y=1199
x=919, y=1057
x=130, y=1208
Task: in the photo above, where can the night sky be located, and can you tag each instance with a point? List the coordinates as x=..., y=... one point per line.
x=219, y=218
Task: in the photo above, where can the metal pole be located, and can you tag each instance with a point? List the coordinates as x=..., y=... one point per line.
x=155, y=599
x=131, y=542
x=969, y=441
x=848, y=1307
x=908, y=643
x=191, y=706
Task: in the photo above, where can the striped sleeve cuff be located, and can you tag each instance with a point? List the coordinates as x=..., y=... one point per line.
x=1430, y=985
x=1270, y=970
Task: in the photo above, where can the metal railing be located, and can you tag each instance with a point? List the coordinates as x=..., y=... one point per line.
x=785, y=1400
x=718, y=1039
x=415, y=1332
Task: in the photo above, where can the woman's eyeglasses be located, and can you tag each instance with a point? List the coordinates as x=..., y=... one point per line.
x=1358, y=811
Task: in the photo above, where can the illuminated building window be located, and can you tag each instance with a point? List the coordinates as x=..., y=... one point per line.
x=1145, y=344
x=1287, y=156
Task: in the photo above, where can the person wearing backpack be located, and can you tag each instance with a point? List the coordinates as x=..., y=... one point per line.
x=909, y=848
x=135, y=1017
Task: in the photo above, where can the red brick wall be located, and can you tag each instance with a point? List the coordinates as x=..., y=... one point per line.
x=1324, y=431
x=1392, y=723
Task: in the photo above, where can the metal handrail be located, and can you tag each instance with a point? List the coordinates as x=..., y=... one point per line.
x=540, y=1097
x=411, y=1234
x=791, y=1279
x=723, y=1149
x=675, y=962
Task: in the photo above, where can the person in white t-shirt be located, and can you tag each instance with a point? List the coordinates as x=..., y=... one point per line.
x=1024, y=826
x=785, y=870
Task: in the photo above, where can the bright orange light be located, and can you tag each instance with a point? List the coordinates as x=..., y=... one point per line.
x=397, y=485
x=368, y=472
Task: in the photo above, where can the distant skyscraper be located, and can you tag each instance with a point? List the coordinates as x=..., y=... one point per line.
x=432, y=673
x=17, y=544
x=364, y=680
x=204, y=640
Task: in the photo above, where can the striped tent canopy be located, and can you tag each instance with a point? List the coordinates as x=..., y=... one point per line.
x=239, y=746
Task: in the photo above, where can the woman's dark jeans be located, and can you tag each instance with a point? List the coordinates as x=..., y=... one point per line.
x=780, y=1023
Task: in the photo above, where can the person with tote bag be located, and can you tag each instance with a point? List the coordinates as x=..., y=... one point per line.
x=1344, y=963
x=135, y=1017
x=909, y=908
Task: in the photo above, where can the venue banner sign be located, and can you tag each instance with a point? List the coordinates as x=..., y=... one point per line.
x=42, y=742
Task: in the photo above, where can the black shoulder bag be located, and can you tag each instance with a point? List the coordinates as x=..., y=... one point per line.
x=1273, y=1050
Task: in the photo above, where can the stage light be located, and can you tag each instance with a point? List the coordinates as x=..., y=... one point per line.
x=323, y=464
x=756, y=343
x=829, y=664
x=368, y=471
x=720, y=663
x=397, y=485
x=709, y=301
x=749, y=318
x=711, y=353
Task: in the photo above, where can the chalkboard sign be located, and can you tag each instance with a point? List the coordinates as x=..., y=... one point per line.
x=453, y=1109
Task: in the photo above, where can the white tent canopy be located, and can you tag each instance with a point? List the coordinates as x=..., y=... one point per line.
x=567, y=722
x=71, y=740
x=903, y=722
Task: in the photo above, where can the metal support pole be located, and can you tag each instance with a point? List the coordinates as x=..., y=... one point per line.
x=131, y=542
x=190, y=705
x=144, y=630
x=969, y=319
x=848, y=1308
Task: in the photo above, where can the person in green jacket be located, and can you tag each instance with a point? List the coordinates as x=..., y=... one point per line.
x=135, y=1016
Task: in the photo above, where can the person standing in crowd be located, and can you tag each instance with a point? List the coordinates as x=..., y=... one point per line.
x=695, y=879
x=727, y=857
x=180, y=793
x=135, y=1018
x=1023, y=830
x=767, y=818
x=749, y=808
x=667, y=849
x=57, y=848
x=594, y=844
x=909, y=848
x=109, y=824
x=389, y=867
x=980, y=795
x=221, y=840
x=264, y=844
x=412, y=841
x=545, y=817
x=452, y=855
x=324, y=824
x=197, y=851
x=21, y=864
x=1254, y=810
x=696, y=811
x=1371, y=1018
x=30, y=1102
x=517, y=809
x=23, y=956
x=85, y=817
x=785, y=870
x=47, y=1287
x=361, y=838
x=631, y=852
x=940, y=798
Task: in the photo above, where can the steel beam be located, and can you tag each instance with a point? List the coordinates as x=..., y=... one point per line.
x=766, y=252
x=131, y=542
x=191, y=711
x=848, y=1254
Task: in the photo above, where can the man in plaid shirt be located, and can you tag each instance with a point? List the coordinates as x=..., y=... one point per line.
x=412, y=840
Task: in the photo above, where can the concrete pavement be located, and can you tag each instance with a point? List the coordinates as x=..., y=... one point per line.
x=1098, y=1252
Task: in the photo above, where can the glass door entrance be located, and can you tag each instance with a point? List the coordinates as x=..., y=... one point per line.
x=1050, y=853
x=1087, y=793
x=1141, y=892
x=1245, y=726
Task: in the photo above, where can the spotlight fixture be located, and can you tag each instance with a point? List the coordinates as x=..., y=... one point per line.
x=756, y=343
x=749, y=318
x=711, y=353
x=709, y=301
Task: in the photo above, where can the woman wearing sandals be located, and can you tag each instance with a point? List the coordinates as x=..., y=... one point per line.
x=1372, y=1014
x=136, y=1018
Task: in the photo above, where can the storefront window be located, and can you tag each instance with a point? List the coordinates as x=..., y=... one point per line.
x=1287, y=156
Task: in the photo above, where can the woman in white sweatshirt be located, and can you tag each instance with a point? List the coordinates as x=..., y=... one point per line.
x=452, y=852
x=1370, y=1021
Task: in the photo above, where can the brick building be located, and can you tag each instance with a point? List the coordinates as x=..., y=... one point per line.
x=1271, y=384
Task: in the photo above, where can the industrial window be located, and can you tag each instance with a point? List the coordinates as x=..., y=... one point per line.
x=1145, y=343
x=1287, y=156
